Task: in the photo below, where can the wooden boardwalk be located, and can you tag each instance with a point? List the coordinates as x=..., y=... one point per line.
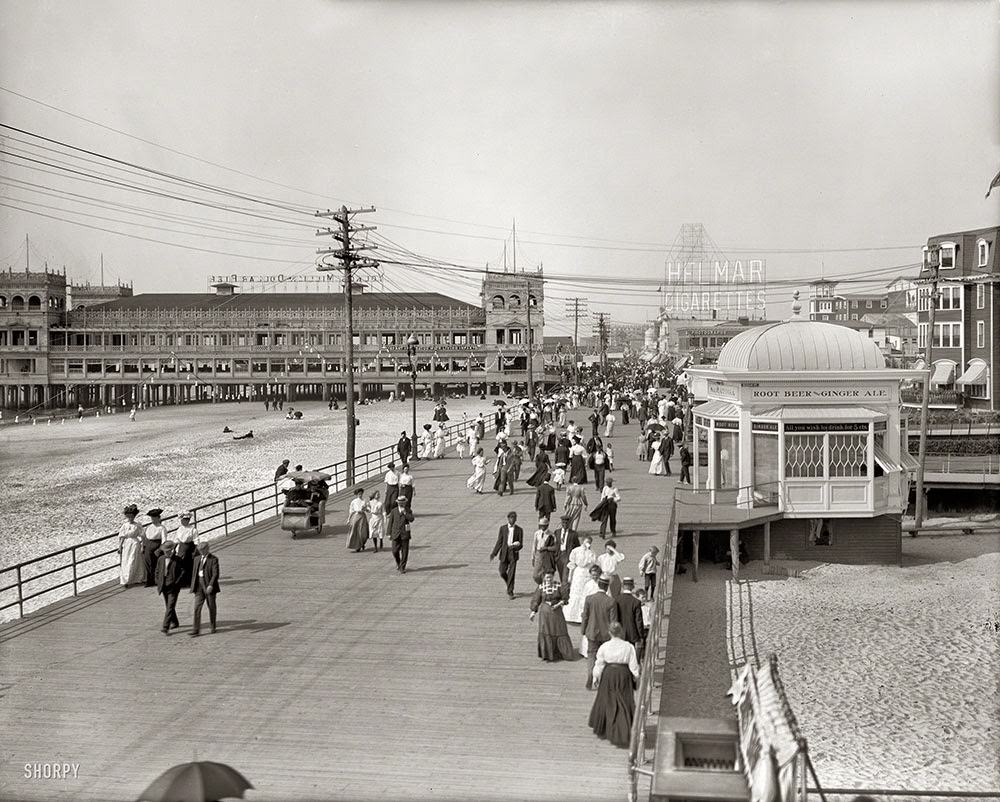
x=331, y=676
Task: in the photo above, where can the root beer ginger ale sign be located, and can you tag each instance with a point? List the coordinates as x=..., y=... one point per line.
x=717, y=289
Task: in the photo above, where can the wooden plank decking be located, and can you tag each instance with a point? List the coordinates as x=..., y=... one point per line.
x=331, y=676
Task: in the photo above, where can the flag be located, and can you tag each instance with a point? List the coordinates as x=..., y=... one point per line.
x=993, y=184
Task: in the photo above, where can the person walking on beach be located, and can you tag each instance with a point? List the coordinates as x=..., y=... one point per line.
x=547, y=603
x=281, y=470
x=647, y=567
x=152, y=541
x=583, y=576
x=204, y=586
x=398, y=526
x=168, y=585
x=575, y=504
x=599, y=611
x=132, y=569
x=510, y=540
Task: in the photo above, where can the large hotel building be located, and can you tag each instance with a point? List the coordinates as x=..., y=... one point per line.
x=61, y=346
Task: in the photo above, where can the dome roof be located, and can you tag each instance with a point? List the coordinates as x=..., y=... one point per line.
x=797, y=345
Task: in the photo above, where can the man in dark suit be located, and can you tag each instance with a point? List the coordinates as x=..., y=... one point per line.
x=510, y=539
x=403, y=448
x=566, y=541
x=398, y=526
x=599, y=610
x=204, y=585
x=168, y=584
x=630, y=616
x=545, y=499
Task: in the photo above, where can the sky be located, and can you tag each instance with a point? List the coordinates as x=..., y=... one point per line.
x=600, y=128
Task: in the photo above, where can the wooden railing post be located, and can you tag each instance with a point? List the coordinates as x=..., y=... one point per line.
x=253, y=505
x=225, y=517
x=74, y=570
x=20, y=594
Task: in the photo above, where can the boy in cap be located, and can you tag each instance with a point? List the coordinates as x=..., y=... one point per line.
x=168, y=584
x=647, y=567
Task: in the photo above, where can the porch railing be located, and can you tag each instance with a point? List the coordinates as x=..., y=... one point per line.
x=638, y=763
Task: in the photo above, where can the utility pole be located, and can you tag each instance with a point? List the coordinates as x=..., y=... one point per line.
x=575, y=307
x=347, y=255
x=602, y=338
x=531, y=377
x=933, y=264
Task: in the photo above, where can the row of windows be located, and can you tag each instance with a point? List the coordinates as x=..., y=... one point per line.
x=274, y=366
x=262, y=338
x=15, y=337
x=820, y=456
x=946, y=335
x=511, y=302
x=32, y=304
x=949, y=251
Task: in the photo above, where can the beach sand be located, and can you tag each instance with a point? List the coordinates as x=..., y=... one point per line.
x=66, y=483
x=893, y=673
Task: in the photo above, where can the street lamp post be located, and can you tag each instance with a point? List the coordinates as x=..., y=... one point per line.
x=411, y=351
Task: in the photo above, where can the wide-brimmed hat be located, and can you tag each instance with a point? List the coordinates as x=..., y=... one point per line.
x=156, y=512
x=131, y=509
x=543, y=521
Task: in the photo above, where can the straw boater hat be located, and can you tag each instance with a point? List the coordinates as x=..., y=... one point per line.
x=543, y=521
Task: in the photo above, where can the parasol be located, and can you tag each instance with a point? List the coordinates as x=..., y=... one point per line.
x=201, y=781
x=308, y=476
x=655, y=427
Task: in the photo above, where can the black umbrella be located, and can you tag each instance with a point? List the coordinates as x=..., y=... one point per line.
x=499, y=402
x=201, y=781
x=655, y=427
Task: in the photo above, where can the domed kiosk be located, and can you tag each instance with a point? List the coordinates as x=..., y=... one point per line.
x=801, y=437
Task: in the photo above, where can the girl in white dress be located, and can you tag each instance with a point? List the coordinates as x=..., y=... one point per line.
x=473, y=441
x=376, y=520
x=439, y=442
x=132, y=570
x=656, y=463
x=609, y=424
x=478, y=478
x=580, y=560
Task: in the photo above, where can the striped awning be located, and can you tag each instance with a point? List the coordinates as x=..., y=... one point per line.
x=888, y=463
x=717, y=409
x=909, y=462
x=810, y=414
x=974, y=374
x=944, y=373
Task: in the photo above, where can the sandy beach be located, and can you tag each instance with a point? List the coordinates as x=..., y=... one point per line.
x=67, y=483
x=893, y=673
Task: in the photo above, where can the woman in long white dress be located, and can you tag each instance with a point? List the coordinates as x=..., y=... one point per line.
x=132, y=570
x=580, y=560
x=478, y=478
x=656, y=463
x=609, y=424
x=425, y=442
x=473, y=441
x=439, y=442
x=376, y=520
x=589, y=587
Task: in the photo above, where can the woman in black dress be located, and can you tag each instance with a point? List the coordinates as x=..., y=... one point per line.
x=616, y=672
x=547, y=603
x=542, y=469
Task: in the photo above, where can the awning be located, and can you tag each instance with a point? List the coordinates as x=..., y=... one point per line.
x=944, y=373
x=646, y=358
x=717, y=409
x=974, y=374
x=909, y=462
x=889, y=465
x=809, y=414
x=681, y=362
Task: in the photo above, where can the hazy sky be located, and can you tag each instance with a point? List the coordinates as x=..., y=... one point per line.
x=780, y=126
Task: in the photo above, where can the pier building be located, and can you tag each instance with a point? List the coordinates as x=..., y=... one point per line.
x=116, y=347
